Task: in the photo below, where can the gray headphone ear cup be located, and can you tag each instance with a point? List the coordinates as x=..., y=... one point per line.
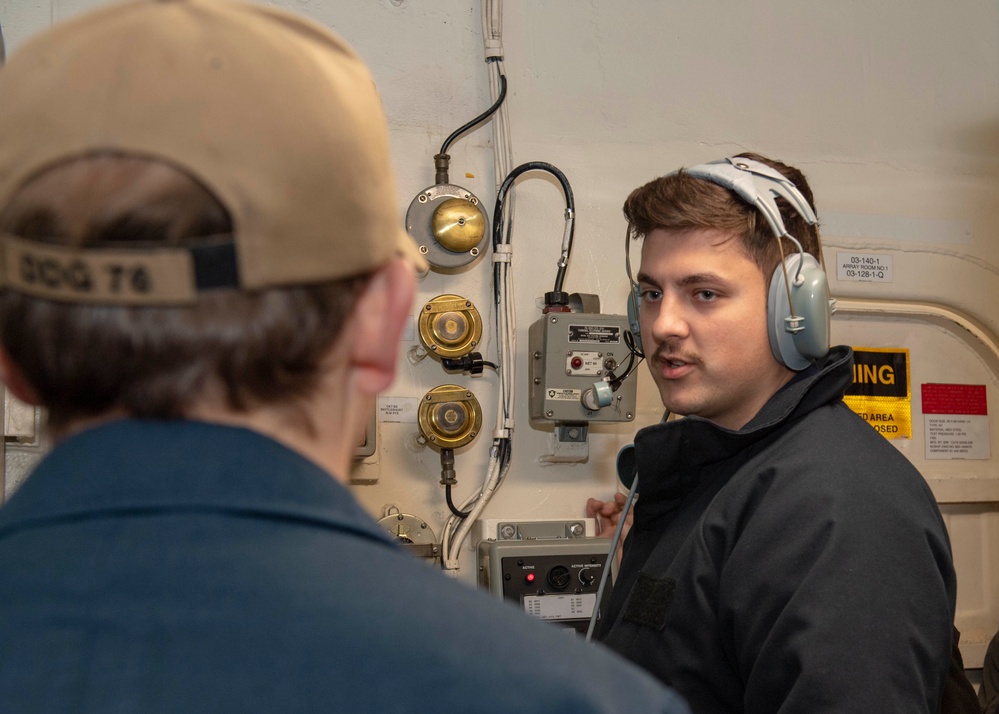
x=811, y=303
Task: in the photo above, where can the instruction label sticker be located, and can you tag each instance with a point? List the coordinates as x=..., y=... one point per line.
x=595, y=334
x=880, y=390
x=402, y=410
x=864, y=267
x=956, y=421
x=563, y=395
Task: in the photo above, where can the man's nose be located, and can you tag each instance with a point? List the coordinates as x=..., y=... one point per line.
x=668, y=319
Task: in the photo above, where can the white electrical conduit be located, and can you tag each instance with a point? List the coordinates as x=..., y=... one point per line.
x=456, y=529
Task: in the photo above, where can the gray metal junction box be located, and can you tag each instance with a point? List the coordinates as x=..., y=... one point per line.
x=567, y=353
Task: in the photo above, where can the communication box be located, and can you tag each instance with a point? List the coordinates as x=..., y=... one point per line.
x=555, y=580
x=569, y=353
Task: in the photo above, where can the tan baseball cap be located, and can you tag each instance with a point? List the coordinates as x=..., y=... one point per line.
x=275, y=114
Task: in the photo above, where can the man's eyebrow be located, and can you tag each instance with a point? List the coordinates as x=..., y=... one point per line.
x=687, y=280
x=645, y=278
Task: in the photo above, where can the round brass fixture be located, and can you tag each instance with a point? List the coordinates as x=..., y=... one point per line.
x=412, y=532
x=449, y=416
x=450, y=226
x=450, y=326
x=457, y=224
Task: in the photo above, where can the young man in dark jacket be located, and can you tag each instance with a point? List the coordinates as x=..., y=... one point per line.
x=784, y=557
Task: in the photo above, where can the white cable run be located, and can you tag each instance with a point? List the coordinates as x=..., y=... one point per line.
x=457, y=529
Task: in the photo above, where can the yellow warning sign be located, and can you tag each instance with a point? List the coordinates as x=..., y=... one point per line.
x=880, y=391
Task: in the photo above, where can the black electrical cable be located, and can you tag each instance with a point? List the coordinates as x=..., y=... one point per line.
x=504, y=448
x=570, y=207
x=629, y=341
x=616, y=382
x=450, y=504
x=477, y=120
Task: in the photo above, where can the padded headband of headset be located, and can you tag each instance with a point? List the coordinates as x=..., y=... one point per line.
x=758, y=184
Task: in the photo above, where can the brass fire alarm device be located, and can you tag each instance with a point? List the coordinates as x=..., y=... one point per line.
x=450, y=326
x=450, y=226
x=449, y=417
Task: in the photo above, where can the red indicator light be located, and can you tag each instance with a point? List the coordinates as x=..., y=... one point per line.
x=577, y=363
x=529, y=577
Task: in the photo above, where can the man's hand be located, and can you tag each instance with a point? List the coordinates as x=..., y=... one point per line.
x=607, y=515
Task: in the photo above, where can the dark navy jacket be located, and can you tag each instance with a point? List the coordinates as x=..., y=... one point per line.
x=799, y=565
x=185, y=567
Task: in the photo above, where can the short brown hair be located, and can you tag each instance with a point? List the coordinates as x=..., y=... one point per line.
x=82, y=360
x=680, y=202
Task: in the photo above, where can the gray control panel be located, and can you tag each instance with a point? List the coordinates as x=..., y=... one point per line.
x=570, y=354
x=552, y=580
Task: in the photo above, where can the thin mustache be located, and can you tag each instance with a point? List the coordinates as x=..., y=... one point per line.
x=669, y=352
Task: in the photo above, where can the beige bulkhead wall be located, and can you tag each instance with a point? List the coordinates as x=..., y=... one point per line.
x=891, y=109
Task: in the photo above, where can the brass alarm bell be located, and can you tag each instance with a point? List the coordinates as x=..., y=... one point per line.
x=450, y=226
x=457, y=224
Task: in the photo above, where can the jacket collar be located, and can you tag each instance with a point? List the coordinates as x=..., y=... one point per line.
x=670, y=455
x=133, y=466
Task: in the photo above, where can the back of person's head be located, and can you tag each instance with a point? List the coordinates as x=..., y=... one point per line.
x=192, y=193
x=681, y=202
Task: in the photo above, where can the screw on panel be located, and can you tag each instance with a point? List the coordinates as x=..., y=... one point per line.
x=537, y=355
x=549, y=413
x=474, y=252
x=553, y=319
x=423, y=198
x=424, y=249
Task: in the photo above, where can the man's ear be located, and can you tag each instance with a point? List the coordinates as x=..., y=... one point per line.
x=376, y=323
x=12, y=376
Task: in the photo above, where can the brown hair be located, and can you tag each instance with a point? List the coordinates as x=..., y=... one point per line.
x=82, y=360
x=680, y=202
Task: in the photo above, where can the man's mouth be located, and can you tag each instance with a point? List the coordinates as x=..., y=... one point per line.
x=674, y=366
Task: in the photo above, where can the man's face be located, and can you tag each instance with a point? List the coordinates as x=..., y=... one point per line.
x=704, y=327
